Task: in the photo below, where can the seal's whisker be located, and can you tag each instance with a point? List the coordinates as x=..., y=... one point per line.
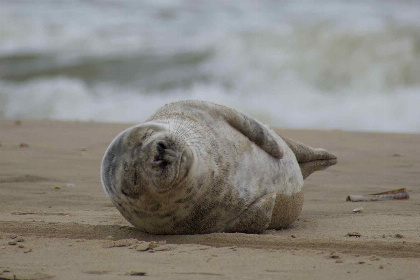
x=173, y=126
x=179, y=128
x=195, y=144
x=194, y=140
x=184, y=131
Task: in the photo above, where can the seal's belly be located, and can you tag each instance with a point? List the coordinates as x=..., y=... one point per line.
x=257, y=173
x=260, y=175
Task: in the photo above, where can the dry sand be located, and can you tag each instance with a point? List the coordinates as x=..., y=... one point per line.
x=74, y=232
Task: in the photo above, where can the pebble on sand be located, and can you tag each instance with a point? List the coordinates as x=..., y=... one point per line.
x=358, y=210
x=353, y=234
x=137, y=273
x=334, y=256
x=143, y=246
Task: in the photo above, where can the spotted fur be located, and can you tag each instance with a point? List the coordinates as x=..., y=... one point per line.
x=198, y=167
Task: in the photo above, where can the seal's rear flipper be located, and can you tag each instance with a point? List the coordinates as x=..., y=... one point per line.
x=310, y=159
x=256, y=217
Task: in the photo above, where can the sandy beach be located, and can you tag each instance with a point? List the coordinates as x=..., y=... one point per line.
x=56, y=221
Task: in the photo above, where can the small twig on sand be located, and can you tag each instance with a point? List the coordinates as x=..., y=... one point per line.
x=394, y=194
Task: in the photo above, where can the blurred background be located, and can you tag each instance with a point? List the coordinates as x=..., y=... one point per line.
x=352, y=65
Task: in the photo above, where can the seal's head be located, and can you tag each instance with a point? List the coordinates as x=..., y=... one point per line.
x=145, y=159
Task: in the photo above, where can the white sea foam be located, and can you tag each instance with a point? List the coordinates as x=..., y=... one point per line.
x=68, y=99
x=313, y=64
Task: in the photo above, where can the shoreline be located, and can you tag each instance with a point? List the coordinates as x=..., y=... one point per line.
x=128, y=124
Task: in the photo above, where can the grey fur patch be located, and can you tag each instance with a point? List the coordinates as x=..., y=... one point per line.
x=216, y=170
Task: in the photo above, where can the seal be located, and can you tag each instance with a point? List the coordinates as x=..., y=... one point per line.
x=198, y=167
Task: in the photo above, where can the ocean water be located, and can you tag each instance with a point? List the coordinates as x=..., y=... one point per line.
x=352, y=65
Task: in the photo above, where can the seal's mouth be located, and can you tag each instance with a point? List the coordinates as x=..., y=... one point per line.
x=182, y=169
x=165, y=163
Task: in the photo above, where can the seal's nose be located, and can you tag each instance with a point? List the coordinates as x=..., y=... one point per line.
x=164, y=154
x=161, y=146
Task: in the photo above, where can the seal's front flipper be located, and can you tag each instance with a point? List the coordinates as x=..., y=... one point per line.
x=310, y=159
x=250, y=127
x=254, y=130
x=256, y=217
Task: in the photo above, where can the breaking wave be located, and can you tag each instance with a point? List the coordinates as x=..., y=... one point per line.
x=321, y=64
